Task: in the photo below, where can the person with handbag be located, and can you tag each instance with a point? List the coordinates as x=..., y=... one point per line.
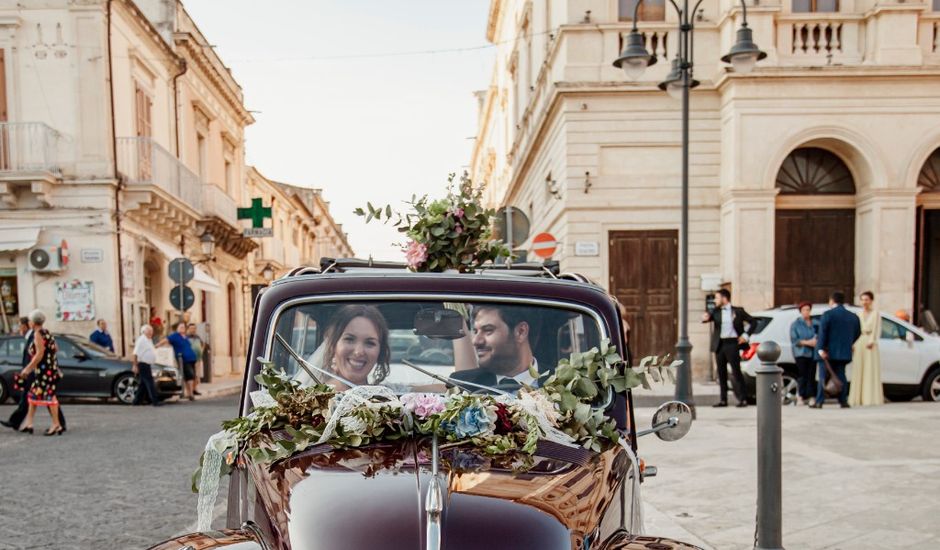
x=839, y=328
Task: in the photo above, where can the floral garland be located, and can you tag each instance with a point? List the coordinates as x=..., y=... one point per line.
x=450, y=233
x=296, y=418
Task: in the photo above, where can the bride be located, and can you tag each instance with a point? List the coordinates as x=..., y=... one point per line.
x=355, y=349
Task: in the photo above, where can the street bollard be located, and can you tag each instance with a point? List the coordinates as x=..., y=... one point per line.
x=769, y=485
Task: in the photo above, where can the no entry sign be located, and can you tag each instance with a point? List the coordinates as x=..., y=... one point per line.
x=544, y=245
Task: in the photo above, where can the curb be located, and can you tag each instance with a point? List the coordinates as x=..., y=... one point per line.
x=211, y=393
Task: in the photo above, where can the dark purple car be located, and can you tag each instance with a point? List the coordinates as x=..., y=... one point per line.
x=381, y=495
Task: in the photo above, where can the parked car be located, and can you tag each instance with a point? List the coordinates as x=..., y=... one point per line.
x=910, y=357
x=88, y=370
x=380, y=495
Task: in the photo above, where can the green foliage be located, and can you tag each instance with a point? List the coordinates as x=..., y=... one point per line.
x=450, y=233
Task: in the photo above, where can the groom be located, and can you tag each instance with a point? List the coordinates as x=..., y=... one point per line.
x=501, y=341
x=839, y=328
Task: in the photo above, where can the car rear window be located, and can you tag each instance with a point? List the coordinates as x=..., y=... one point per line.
x=762, y=323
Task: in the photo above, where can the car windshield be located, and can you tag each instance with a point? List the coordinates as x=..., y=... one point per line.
x=90, y=347
x=423, y=345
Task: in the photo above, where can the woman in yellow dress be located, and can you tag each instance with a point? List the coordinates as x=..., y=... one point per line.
x=865, y=388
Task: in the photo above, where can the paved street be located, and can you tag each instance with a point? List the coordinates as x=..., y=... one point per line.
x=119, y=479
x=865, y=478
x=857, y=479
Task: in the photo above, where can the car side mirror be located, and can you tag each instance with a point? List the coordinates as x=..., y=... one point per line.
x=81, y=356
x=671, y=421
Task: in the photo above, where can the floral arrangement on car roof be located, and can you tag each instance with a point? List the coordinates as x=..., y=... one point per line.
x=454, y=232
x=291, y=418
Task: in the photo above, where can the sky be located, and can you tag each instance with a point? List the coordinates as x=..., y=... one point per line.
x=340, y=108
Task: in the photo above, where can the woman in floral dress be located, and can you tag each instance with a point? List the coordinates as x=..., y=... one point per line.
x=42, y=353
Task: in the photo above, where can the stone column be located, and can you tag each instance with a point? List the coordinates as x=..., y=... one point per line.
x=747, y=245
x=884, y=246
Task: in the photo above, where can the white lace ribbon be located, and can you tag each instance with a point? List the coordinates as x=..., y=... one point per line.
x=344, y=403
x=209, y=477
x=529, y=404
x=636, y=505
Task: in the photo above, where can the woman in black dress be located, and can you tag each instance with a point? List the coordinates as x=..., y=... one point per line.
x=42, y=353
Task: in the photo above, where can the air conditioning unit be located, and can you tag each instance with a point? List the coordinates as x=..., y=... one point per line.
x=46, y=259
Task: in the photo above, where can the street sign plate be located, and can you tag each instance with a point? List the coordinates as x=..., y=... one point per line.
x=181, y=270
x=544, y=245
x=587, y=248
x=257, y=232
x=187, y=300
x=520, y=226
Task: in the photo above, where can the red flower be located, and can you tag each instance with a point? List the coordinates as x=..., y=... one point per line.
x=503, y=420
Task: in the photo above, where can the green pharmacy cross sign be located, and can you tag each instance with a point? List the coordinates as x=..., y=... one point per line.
x=256, y=213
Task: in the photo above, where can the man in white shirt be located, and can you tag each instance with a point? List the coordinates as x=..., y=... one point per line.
x=733, y=326
x=145, y=354
x=501, y=341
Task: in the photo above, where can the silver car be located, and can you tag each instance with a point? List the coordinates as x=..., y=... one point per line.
x=910, y=357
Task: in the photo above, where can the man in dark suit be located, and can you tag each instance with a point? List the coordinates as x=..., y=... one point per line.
x=732, y=336
x=22, y=407
x=501, y=340
x=839, y=328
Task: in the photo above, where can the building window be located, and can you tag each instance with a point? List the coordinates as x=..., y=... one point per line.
x=814, y=171
x=143, y=107
x=817, y=6
x=650, y=10
x=202, y=154
x=229, y=179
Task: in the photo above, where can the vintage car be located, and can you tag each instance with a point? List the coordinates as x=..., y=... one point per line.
x=415, y=493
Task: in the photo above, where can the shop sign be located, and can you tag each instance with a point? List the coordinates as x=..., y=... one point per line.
x=75, y=300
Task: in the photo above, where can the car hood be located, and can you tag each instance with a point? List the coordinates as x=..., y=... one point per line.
x=374, y=498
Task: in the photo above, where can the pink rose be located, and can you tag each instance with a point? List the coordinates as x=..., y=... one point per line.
x=423, y=405
x=458, y=229
x=416, y=254
x=458, y=213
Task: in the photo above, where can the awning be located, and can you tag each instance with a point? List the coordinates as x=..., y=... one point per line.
x=18, y=238
x=201, y=280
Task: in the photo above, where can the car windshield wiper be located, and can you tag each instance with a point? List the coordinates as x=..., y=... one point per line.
x=454, y=383
x=307, y=365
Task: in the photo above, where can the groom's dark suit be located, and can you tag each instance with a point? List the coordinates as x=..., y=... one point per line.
x=839, y=328
x=727, y=349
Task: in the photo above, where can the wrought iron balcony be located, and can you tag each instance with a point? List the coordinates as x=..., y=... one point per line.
x=28, y=147
x=142, y=162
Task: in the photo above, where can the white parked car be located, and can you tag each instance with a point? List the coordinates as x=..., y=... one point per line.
x=910, y=357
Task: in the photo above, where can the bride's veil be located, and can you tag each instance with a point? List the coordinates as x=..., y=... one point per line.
x=317, y=359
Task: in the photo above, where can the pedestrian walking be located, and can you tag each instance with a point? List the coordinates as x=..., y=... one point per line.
x=144, y=356
x=729, y=323
x=866, y=388
x=102, y=337
x=196, y=343
x=22, y=408
x=803, y=343
x=43, y=364
x=839, y=328
x=184, y=355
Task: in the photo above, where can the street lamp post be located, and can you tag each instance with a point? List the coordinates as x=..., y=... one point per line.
x=634, y=60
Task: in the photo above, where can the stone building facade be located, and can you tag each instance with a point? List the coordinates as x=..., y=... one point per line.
x=121, y=148
x=818, y=171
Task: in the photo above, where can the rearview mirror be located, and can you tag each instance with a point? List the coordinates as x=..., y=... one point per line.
x=442, y=324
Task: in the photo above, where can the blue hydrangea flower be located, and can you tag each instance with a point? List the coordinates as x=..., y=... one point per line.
x=472, y=421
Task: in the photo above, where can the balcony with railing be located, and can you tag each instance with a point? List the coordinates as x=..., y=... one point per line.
x=216, y=202
x=28, y=147
x=814, y=39
x=143, y=162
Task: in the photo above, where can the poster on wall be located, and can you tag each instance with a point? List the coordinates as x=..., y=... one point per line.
x=75, y=300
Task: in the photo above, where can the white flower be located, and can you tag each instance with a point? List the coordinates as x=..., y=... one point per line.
x=353, y=425
x=539, y=405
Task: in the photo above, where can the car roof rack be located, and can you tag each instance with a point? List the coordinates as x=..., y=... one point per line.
x=549, y=268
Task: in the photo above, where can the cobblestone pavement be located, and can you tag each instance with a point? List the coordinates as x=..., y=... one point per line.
x=856, y=479
x=118, y=479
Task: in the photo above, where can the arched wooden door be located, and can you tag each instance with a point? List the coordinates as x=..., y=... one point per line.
x=814, y=249
x=927, y=272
